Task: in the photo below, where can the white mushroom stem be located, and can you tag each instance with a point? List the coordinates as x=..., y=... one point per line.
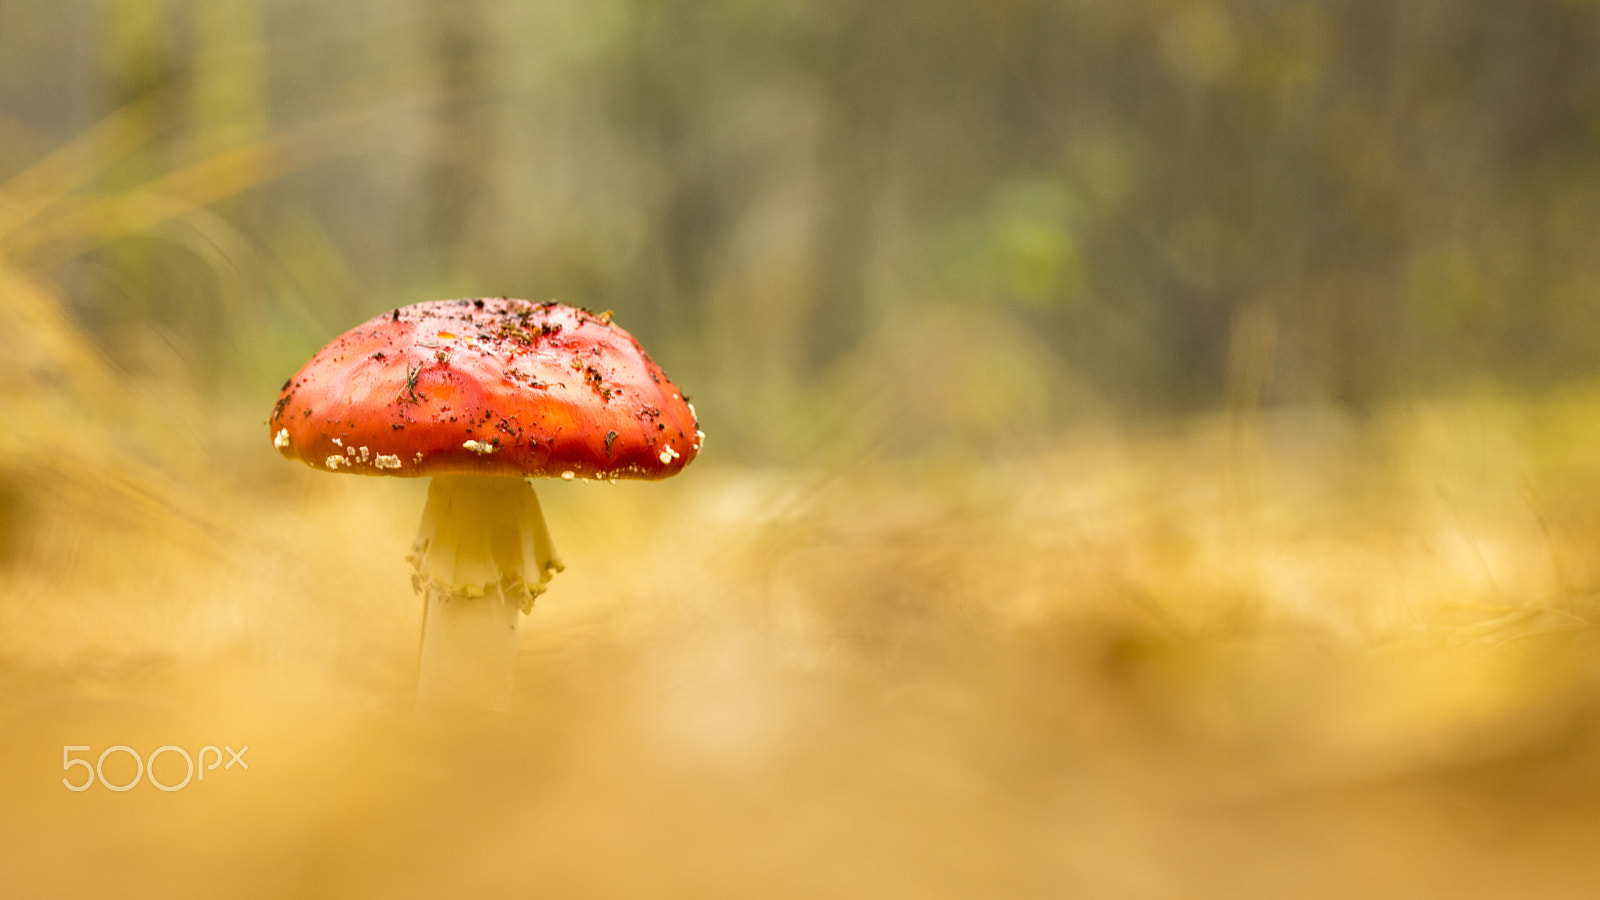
x=481, y=556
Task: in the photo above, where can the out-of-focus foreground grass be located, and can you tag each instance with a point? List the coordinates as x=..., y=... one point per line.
x=1302, y=655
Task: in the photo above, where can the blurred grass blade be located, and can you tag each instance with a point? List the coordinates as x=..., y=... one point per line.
x=97, y=220
x=40, y=343
x=75, y=163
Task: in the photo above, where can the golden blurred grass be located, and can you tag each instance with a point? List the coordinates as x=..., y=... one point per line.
x=1302, y=655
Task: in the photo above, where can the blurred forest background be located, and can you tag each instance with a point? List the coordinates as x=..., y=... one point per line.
x=1151, y=444
x=1000, y=214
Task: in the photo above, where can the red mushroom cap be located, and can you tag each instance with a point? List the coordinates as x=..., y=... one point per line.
x=490, y=386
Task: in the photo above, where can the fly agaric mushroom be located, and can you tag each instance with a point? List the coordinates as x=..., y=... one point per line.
x=483, y=394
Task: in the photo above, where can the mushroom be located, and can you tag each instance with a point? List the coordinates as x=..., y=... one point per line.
x=482, y=394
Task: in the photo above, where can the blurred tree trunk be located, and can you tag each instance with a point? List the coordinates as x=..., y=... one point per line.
x=670, y=84
x=228, y=98
x=228, y=110
x=856, y=74
x=464, y=139
x=138, y=61
x=136, y=50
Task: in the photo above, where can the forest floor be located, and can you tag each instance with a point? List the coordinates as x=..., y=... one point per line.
x=1305, y=654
